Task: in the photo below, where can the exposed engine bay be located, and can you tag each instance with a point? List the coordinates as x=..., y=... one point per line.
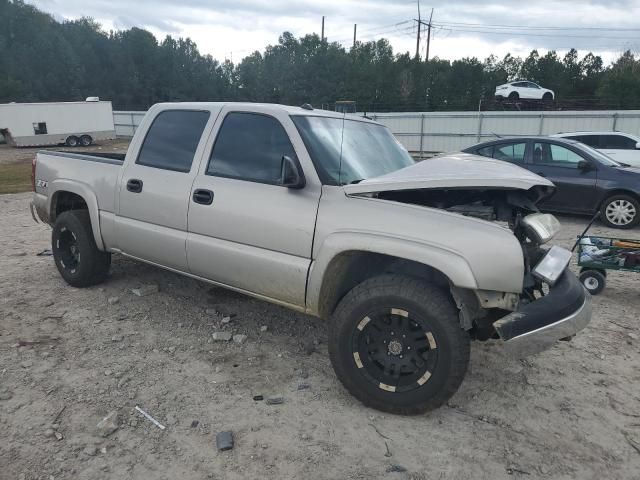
x=508, y=207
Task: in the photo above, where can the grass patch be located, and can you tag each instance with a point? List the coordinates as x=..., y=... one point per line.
x=15, y=177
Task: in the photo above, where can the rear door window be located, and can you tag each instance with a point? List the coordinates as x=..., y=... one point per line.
x=485, y=151
x=510, y=152
x=618, y=142
x=172, y=140
x=591, y=140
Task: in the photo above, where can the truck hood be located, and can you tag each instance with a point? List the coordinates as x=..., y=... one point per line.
x=458, y=170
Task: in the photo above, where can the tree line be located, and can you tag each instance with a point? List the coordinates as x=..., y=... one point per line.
x=46, y=60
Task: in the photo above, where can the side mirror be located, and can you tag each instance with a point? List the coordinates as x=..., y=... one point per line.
x=584, y=166
x=638, y=146
x=291, y=175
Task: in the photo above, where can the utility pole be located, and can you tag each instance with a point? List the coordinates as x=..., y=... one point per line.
x=355, y=27
x=428, y=25
x=322, y=35
x=429, y=36
x=418, y=37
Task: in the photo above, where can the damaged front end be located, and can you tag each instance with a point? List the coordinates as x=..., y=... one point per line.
x=553, y=305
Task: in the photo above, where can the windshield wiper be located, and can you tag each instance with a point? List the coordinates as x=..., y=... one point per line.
x=356, y=181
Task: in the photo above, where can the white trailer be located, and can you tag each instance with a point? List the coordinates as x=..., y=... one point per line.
x=53, y=123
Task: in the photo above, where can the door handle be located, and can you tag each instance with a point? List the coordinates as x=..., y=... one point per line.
x=134, y=185
x=202, y=196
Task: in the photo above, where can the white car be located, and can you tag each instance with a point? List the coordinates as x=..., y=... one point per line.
x=524, y=90
x=622, y=147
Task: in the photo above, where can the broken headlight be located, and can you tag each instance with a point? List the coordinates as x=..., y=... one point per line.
x=541, y=227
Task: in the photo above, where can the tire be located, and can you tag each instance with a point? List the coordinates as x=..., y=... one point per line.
x=620, y=211
x=593, y=280
x=72, y=141
x=547, y=98
x=77, y=257
x=86, y=140
x=378, y=312
x=514, y=96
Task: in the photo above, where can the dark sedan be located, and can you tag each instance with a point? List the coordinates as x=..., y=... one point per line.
x=586, y=180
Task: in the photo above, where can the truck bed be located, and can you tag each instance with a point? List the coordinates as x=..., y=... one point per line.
x=111, y=158
x=90, y=174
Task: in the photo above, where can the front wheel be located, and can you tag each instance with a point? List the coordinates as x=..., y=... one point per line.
x=77, y=257
x=397, y=346
x=514, y=96
x=547, y=98
x=86, y=140
x=621, y=211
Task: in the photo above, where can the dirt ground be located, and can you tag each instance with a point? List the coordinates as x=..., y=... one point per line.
x=70, y=357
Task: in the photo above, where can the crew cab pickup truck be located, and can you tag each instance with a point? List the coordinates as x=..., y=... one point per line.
x=327, y=214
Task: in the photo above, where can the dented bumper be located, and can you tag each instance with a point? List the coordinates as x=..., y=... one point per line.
x=536, y=326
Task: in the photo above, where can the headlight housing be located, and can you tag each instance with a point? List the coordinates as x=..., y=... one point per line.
x=541, y=227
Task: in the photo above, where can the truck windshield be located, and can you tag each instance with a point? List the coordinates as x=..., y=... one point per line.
x=346, y=151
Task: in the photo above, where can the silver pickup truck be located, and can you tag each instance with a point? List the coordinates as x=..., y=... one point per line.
x=327, y=214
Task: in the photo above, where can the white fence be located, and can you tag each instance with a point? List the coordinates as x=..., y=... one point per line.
x=126, y=122
x=425, y=133
x=431, y=132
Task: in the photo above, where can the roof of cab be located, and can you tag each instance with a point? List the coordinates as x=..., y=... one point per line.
x=289, y=109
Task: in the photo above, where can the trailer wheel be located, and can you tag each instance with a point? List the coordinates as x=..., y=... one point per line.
x=71, y=141
x=593, y=280
x=86, y=140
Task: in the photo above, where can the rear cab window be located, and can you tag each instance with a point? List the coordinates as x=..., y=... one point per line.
x=172, y=140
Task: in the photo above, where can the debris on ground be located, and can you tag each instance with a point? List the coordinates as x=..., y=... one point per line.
x=150, y=418
x=396, y=468
x=226, y=320
x=239, y=338
x=47, y=252
x=113, y=300
x=224, y=441
x=5, y=395
x=37, y=341
x=108, y=424
x=221, y=336
x=264, y=328
x=258, y=398
x=275, y=400
x=195, y=423
x=145, y=290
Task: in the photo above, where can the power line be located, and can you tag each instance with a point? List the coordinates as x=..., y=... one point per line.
x=532, y=27
x=525, y=34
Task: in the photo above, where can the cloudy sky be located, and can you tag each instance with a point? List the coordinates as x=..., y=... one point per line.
x=234, y=28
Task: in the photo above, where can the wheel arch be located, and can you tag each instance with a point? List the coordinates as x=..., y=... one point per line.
x=618, y=191
x=337, y=270
x=69, y=195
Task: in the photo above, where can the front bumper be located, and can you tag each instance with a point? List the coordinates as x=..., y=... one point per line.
x=536, y=326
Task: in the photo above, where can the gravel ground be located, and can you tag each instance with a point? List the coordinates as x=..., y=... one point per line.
x=70, y=357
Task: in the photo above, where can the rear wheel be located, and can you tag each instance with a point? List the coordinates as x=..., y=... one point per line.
x=593, y=280
x=621, y=211
x=86, y=140
x=396, y=344
x=77, y=257
x=71, y=141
